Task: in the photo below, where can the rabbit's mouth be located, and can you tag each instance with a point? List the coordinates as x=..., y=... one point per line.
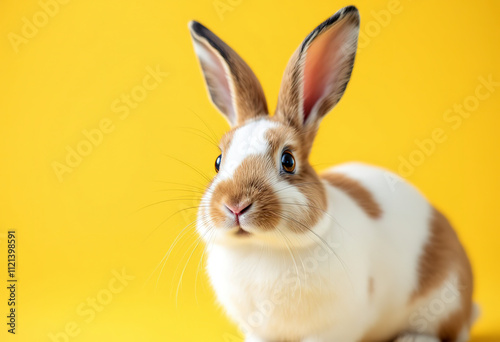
x=242, y=232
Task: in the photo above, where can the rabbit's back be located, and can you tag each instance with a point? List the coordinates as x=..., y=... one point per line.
x=417, y=273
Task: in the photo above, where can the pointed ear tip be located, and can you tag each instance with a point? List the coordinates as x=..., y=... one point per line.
x=352, y=11
x=351, y=8
x=195, y=27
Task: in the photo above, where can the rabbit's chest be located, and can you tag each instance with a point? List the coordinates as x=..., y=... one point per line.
x=276, y=296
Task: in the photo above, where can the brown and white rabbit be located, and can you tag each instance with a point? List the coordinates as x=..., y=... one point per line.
x=353, y=254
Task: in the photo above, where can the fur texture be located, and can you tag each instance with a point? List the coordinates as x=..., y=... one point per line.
x=349, y=255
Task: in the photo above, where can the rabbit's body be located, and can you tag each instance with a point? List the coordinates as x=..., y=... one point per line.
x=356, y=254
x=367, y=288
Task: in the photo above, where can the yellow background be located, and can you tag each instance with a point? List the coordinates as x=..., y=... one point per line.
x=73, y=233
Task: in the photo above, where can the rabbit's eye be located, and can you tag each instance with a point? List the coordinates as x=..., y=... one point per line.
x=288, y=161
x=217, y=163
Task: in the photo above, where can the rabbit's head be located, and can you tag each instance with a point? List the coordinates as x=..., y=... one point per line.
x=265, y=190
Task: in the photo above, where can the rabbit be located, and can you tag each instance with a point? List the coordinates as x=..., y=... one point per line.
x=355, y=253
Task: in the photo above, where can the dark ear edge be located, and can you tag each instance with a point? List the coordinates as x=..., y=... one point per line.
x=329, y=22
x=212, y=39
x=245, y=94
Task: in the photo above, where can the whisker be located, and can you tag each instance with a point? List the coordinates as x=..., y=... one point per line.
x=200, y=265
x=201, y=188
x=164, y=260
x=308, y=229
x=176, y=241
x=170, y=216
x=190, y=166
x=197, y=242
x=169, y=251
x=344, y=266
x=183, y=190
x=204, y=123
x=166, y=201
x=204, y=136
x=323, y=211
x=296, y=184
x=294, y=262
x=185, y=266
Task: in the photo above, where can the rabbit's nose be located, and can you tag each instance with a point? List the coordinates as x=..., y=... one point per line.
x=238, y=209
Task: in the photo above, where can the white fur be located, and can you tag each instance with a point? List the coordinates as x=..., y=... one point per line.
x=248, y=140
x=321, y=294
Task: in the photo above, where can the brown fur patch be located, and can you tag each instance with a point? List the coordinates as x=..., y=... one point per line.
x=442, y=255
x=288, y=99
x=305, y=179
x=248, y=185
x=284, y=136
x=309, y=184
x=450, y=328
x=250, y=99
x=225, y=141
x=356, y=191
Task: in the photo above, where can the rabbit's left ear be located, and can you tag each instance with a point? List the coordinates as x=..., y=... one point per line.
x=317, y=74
x=233, y=87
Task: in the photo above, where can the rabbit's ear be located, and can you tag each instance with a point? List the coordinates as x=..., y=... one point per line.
x=233, y=87
x=317, y=74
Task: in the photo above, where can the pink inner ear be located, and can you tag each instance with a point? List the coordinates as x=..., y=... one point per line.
x=321, y=69
x=220, y=90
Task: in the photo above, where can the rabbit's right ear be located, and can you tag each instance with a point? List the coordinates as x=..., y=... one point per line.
x=233, y=87
x=317, y=74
